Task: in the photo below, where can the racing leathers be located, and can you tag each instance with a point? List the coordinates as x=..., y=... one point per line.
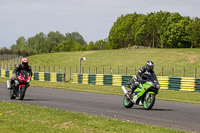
x=17, y=70
x=134, y=83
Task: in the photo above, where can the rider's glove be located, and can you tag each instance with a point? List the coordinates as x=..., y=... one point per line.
x=14, y=76
x=143, y=81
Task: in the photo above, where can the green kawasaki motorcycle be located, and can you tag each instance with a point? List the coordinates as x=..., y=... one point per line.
x=144, y=95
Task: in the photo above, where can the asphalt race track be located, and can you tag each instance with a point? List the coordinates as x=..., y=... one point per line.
x=164, y=113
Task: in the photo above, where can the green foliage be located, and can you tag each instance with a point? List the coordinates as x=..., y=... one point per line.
x=53, y=39
x=91, y=46
x=52, y=42
x=157, y=30
x=100, y=45
x=121, y=34
x=193, y=30
x=75, y=37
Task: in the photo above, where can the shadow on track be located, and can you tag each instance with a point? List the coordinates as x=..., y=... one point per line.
x=162, y=109
x=35, y=100
x=154, y=109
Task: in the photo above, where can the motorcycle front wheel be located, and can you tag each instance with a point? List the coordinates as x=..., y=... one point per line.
x=22, y=92
x=149, y=100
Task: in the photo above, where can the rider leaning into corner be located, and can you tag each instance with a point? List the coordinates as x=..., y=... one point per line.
x=23, y=66
x=134, y=83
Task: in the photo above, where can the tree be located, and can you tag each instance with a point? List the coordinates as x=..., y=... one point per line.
x=64, y=46
x=53, y=39
x=22, y=45
x=100, y=45
x=194, y=32
x=91, y=46
x=40, y=43
x=121, y=34
x=75, y=37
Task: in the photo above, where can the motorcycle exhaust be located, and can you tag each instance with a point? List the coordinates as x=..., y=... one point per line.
x=8, y=84
x=126, y=93
x=124, y=90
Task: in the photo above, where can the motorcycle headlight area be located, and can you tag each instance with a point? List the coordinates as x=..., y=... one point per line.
x=151, y=83
x=16, y=82
x=154, y=85
x=157, y=86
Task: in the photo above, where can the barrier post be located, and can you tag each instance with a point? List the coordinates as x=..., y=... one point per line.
x=70, y=72
x=118, y=70
x=183, y=71
x=59, y=70
x=82, y=69
x=195, y=72
x=64, y=76
x=162, y=71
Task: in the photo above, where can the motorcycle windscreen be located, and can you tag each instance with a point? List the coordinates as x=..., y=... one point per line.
x=151, y=77
x=24, y=73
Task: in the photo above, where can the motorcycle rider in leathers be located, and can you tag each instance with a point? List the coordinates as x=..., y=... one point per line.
x=23, y=66
x=134, y=83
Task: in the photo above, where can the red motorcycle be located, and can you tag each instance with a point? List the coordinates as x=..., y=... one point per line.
x=21, y=83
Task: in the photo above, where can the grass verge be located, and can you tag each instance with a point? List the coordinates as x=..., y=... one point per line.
x=170, y=95
x=15, y=117
x=119, y=60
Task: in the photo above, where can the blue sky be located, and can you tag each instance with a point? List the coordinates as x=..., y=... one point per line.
x=93, y=19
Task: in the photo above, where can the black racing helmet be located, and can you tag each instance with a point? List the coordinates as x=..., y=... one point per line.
x=149, y=66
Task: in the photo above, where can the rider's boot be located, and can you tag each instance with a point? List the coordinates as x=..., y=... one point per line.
x=130, y=94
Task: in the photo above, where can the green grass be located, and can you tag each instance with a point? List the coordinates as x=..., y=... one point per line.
x=170, y=95
x=121, y=58
x=19, y=118
x=166, y=58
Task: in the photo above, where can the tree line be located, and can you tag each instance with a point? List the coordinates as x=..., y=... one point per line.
x=156, y=30
x=52, y=42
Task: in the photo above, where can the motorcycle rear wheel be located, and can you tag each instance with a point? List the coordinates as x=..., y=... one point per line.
x=127, y=102
x=149, y=100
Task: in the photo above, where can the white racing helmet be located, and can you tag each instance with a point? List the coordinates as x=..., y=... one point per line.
x=149, y=65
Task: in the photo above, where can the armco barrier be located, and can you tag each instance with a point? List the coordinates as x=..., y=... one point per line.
x=41, y=76
x=171, y=83
x=47, y=76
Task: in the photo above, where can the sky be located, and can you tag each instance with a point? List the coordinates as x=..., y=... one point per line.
x=93, y=19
